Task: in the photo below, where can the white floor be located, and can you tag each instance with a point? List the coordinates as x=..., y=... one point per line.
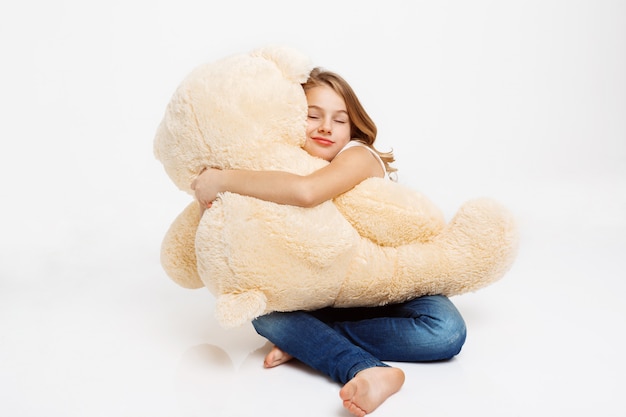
x=95, y=328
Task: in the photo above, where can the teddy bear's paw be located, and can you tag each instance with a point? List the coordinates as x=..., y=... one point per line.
x=234, y=310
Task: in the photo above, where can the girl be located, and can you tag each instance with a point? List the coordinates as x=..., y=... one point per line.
x=349, y=344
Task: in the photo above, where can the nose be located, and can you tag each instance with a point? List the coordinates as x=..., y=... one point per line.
x=325, y=126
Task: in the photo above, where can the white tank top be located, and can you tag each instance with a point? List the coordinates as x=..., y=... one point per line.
x=354, y=143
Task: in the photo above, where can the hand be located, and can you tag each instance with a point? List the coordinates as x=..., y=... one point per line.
x=206, y=186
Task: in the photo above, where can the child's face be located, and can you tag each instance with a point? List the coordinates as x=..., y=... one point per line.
x=328, y=124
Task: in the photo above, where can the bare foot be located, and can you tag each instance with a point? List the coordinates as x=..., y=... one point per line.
x=370, y=388
x=276, y=357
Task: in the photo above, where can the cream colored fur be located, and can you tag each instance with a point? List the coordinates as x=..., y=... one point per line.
x=376, y=244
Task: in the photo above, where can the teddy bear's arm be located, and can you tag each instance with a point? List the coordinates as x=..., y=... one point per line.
x=178, y=250
x=390, y=214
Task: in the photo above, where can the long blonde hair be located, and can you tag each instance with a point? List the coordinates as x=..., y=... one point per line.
x=362, y=127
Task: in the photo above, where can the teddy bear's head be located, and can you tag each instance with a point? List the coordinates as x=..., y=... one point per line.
x=245, y=111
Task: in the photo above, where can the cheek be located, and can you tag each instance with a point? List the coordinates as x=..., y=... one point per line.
x=345, y=132
x=310, y=127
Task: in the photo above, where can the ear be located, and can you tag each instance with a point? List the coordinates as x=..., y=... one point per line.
x=294, y=65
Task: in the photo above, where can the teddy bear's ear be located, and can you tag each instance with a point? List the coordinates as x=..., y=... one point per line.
x=294, y=65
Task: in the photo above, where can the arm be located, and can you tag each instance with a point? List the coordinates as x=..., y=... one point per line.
x=343, y=173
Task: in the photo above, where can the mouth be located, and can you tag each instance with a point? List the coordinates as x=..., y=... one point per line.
x=322, y=141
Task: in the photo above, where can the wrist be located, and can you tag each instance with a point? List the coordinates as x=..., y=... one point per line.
x=222, y=180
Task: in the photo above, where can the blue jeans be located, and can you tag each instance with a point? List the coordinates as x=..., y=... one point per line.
x=340, y=342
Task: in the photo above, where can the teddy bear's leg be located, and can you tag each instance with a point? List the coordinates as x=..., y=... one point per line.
x=475, y=249
x=178, y=251
x=233, y=310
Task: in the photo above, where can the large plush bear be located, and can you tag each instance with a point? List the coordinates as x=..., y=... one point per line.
x=379, y=243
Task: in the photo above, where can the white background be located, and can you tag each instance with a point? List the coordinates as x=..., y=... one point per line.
x=522, y=101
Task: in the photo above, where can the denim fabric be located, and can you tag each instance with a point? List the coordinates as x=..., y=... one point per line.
x=342, y=342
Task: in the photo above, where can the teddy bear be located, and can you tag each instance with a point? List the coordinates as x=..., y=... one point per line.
x=381, y=242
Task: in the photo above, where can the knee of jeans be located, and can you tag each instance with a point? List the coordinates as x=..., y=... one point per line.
x=453, y=334
x=271, y=324
x=262, y=324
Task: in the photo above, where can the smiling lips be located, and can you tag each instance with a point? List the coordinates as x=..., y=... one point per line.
x=322, y=141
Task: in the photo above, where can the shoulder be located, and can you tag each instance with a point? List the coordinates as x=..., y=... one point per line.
x=355, y=147
x=357, y=155
x=366, y=153
x=354, y=143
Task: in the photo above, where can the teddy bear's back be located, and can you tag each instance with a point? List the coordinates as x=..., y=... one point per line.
x=288, y=253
